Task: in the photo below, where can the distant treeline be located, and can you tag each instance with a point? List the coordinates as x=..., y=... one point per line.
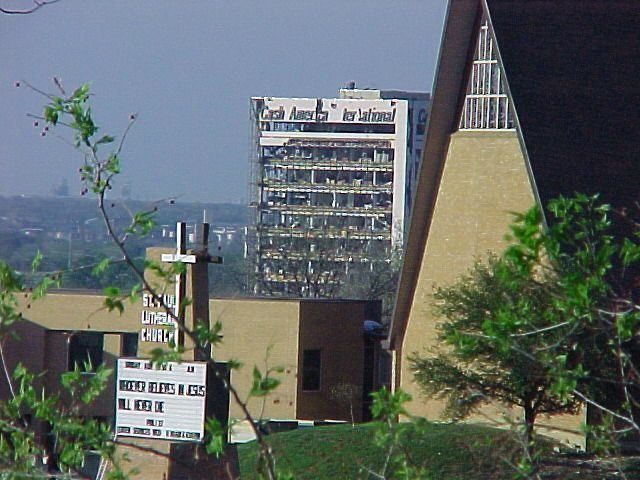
x=73, y=235
x=60, y=213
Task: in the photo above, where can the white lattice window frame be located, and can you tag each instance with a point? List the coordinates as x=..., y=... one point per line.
x=486, y=105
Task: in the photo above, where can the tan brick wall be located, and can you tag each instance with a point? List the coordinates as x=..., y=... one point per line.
x=150, y=466
x=59, y=314
x=176, y=461
x=69, y=310
x=262, y=333
x=484, y=178
x=256, y=332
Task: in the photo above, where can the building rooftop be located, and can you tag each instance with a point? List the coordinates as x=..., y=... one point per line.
x=372, y=93
x=81, y=291
x=574, y=78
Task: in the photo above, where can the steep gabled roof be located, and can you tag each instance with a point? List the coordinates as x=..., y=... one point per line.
x=574, y=78
x=574, y=73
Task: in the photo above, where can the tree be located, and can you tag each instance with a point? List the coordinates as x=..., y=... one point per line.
x=297, y=269
x=346, y=394
x=308, y=268
x=376, y=280
x=476, y=368
x=231, y=280
x=594, y=256
x=552, y=322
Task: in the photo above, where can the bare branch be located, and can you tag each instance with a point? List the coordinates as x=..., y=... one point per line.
x=132, y=119
x=601, y=407
x=37, y=90
x=37, y=5
x=541, y=330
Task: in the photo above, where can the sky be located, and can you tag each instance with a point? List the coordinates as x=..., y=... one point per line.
x=188, y=69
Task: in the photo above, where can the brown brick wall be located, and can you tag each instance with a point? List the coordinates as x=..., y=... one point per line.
x=335, y=329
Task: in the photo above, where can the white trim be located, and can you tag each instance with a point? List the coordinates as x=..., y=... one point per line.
x=487, y=130
x=483, y=107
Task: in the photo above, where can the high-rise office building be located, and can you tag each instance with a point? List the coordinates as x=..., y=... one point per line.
x=331, y=185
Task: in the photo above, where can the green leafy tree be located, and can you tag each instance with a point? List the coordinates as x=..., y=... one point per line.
x=490, y=316
x=550, y=324
x=23, y=453
x=593, y=253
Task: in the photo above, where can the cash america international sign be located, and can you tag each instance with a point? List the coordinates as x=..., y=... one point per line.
x=166, y=403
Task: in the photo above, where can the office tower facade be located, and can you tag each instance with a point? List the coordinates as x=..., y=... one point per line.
x=331, y=186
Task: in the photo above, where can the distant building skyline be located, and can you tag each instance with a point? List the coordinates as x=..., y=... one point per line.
x=188, y=70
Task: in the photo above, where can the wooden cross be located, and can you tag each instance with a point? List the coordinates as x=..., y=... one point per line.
x=199, y=255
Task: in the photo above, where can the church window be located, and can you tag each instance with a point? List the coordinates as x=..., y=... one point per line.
x=129, y=345
x=85, y=347
x=486, y=104
x=311, y=368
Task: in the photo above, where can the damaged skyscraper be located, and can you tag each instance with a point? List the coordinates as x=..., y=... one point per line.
x=331, y=184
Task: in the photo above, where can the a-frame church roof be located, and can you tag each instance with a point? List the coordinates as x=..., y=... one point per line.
x=572, y=72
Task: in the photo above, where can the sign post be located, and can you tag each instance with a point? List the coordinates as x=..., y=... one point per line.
x=164, y=407
x=179, y=256
x=155, y=322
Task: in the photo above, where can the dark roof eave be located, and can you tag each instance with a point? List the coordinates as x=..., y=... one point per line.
x=452, y=61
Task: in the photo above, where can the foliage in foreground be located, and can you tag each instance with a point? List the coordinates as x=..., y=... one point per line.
x=476, y=369
x=23, y=452
x=551, y=323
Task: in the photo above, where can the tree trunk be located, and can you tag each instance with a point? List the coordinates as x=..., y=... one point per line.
x=529, y=420
x=353, y=422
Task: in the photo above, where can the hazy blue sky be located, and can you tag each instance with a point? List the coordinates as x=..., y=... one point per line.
x=188, y=68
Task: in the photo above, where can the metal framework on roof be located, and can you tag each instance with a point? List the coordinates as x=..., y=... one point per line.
x=486, y=105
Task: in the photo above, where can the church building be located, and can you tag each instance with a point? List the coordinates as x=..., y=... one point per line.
x=532, y=99
x=316, y=348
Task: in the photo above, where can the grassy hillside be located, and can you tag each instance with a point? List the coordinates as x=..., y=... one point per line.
x=339, y=452
x=447, y=451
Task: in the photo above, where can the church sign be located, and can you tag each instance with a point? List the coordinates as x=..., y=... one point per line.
x=166, y=402
x=157, y=325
